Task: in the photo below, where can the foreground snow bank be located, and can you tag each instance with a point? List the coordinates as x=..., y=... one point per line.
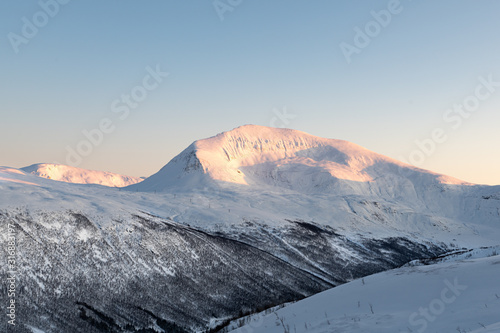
x=451, y=296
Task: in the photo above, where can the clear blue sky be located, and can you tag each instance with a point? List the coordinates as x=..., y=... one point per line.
x=263, y=56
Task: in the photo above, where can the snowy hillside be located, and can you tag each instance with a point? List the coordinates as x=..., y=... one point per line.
x=70, y=174
x=248, y=219
x=455, y=295
x=257, y=173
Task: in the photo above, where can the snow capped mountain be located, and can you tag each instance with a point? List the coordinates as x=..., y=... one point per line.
x=245, y=220
x=324, y=180
x=71, y=174
x=264, y=156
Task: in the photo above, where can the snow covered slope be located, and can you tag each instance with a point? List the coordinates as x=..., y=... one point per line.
x=258, y=155
x=268, y=173
x=70, y=174
x=247, y=219
x=452, y=296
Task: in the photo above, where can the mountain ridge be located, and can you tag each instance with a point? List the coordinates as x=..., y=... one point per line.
x=70, y=174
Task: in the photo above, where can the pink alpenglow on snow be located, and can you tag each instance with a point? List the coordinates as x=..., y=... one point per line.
x=75, y=175
x=259, y=155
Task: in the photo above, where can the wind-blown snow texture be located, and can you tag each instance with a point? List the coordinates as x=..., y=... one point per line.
x=248, y=219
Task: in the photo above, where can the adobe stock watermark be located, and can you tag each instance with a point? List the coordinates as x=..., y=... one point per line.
x=12, y=274
x=373, y=28
x=437, y=306
x=223, y=6
x=48, y=10
x=453, y=117
x=122, y=107
x=281, y=118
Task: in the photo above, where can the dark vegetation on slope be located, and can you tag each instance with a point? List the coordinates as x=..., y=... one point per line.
x=145, y=274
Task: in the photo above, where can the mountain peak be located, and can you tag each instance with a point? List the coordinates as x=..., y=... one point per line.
x=259, y=155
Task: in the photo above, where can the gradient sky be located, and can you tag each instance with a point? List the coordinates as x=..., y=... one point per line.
x=262, y=58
